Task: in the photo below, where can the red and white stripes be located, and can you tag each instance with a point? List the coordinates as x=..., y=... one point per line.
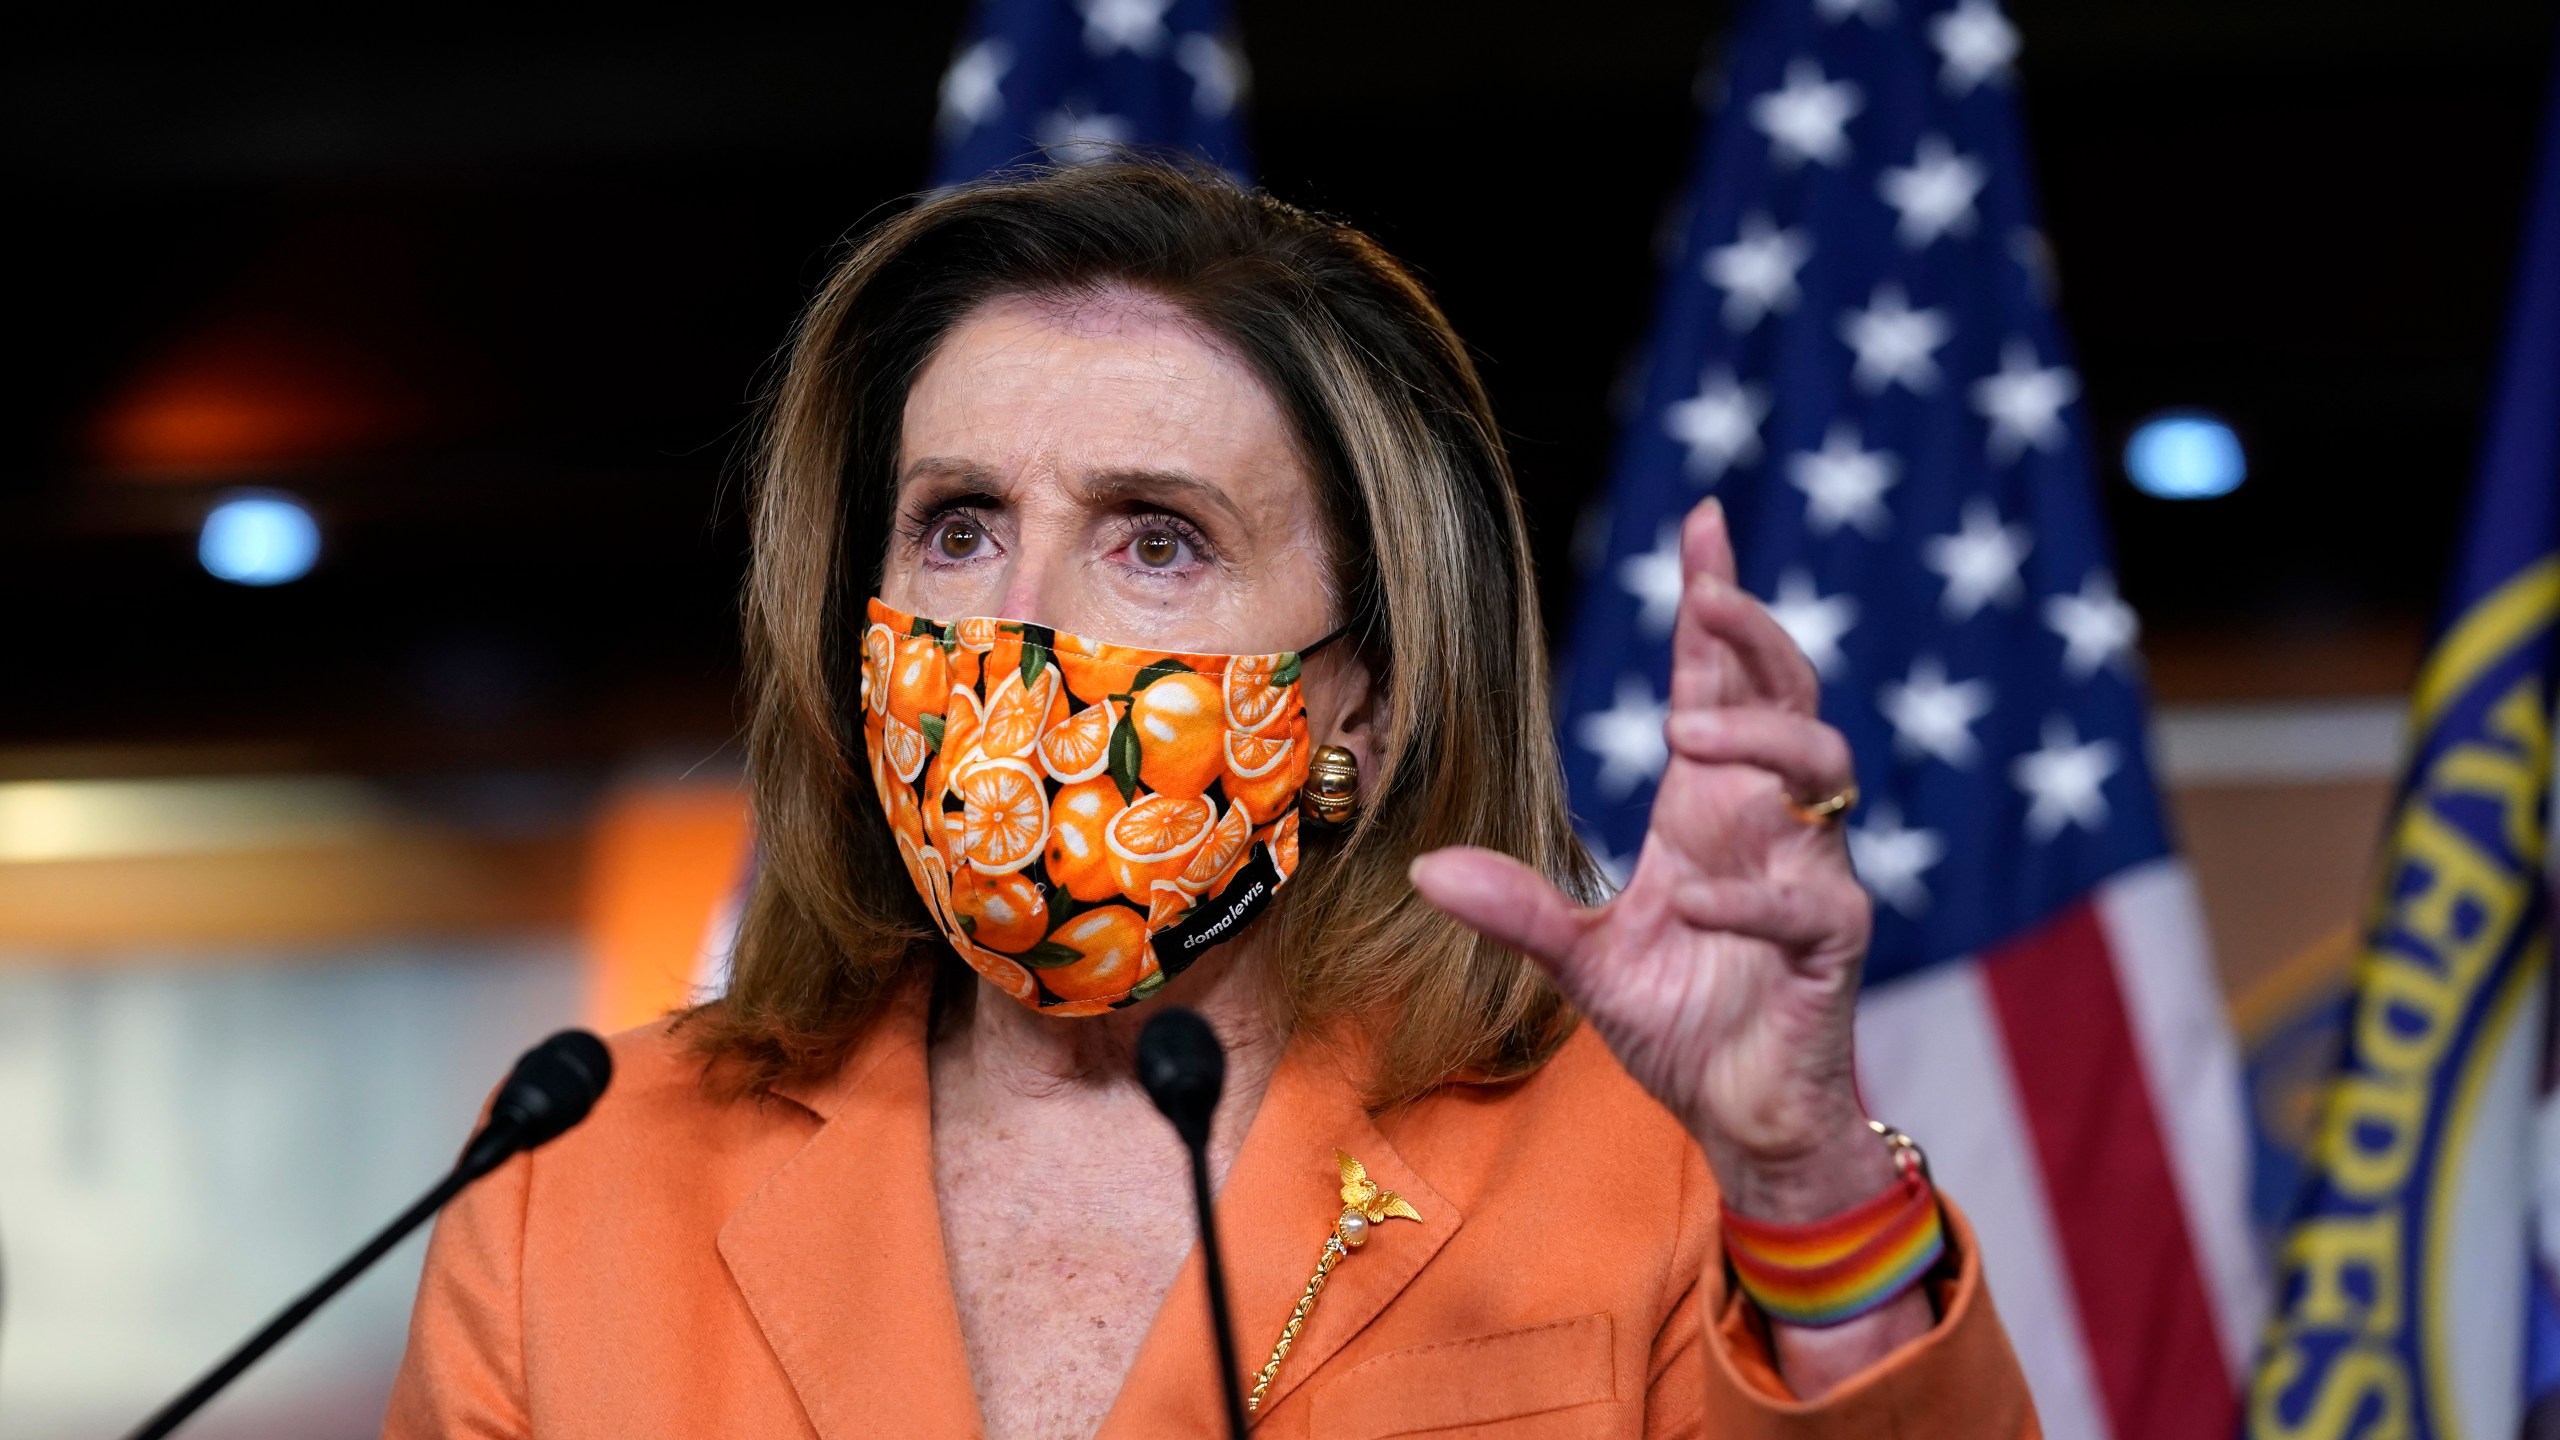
x=2079, y=1096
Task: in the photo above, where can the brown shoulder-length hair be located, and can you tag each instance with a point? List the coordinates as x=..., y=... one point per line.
x=1430, y=560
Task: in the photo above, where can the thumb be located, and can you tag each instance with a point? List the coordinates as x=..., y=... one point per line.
x=1505, y=901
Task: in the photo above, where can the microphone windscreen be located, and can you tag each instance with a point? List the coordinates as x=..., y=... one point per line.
x=1183, y=1067
x=554, y=1086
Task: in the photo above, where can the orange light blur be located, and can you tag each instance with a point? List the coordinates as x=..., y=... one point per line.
x=251, y=395
x=666, y=861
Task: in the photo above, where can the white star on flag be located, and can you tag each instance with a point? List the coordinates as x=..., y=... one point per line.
x=972, y=89
x=2024, y=403
x=1894, y=342
x=1217, y=72
x=1757, y=272
x=1844, y=483
x=1653, y=577
x=1627, y=737
x=2065, y=780
x=1813, y=620
x=1808, y=117
x=1975, y=43
x=1933, y=716
x=1980, y=561
x=1076, y=139
x=1720, y=424
x=1111, y=25
x=1934, y=194
x=1891, y=859
x=2097, y=629
x=1874, y=12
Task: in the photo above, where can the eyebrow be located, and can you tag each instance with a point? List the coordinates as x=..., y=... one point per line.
x=947, y=468
x=1098, y=487
x=1126, y=485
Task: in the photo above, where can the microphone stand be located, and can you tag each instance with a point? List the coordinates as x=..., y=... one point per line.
x=1183, y=1067
x=1216, y=1271
x=551, y=1089
x=176, y=1412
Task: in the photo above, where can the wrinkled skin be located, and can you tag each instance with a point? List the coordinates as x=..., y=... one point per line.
x=1725, y=975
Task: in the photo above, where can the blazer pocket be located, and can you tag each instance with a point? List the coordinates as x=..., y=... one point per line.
x=1481, y=1380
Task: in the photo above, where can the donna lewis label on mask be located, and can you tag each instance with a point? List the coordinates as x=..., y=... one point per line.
x=1227, y=912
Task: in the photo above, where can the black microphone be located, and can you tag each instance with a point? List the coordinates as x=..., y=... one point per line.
x=552, y=1088
x=1183, y=1068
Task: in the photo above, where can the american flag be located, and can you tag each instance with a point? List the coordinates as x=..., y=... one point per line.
x=1856, y=348
x=1068, y=80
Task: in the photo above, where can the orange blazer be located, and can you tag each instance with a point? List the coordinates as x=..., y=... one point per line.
x=680, y=1265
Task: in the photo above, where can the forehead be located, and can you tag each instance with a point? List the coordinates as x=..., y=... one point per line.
x=1118, y=379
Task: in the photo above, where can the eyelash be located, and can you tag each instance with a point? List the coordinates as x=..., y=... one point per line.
x=919, y=528
x=1147, y=522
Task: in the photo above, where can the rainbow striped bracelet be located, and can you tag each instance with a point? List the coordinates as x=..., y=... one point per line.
x=1838, y=1268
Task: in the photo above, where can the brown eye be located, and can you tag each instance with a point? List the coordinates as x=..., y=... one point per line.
x=957, y=540
x=1156, y=549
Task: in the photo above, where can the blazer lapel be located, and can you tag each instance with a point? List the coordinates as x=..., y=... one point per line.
x=1278, y=1204
x=840, y=1253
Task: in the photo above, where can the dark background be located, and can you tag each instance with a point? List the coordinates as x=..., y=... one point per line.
x=534, y=274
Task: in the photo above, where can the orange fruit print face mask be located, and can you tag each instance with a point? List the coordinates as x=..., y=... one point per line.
x=1084, y=820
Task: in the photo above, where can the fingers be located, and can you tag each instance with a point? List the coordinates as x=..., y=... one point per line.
x=1501, y=899
x=1737, y=652
x=1810, y=759
x=1726, y=648
x=1706, y=546
x=1798, y=918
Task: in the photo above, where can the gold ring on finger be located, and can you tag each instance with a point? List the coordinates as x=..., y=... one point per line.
x=1825, y=811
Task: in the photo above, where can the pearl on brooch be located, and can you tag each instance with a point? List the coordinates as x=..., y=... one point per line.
x=1355, y=1228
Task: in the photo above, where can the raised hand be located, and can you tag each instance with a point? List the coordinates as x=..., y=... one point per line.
x=1725, y=974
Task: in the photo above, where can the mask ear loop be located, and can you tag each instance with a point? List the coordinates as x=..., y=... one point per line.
x=1336, y=633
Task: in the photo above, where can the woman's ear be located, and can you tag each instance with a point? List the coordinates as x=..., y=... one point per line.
x=1346, y=704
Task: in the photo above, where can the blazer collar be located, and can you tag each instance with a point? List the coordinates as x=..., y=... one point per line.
x=839, y=1254
x=1278, y=1204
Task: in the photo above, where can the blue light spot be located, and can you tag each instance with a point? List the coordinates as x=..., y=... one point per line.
x=259, y=538
x=2185, y=455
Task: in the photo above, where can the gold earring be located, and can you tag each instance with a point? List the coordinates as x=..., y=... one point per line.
x=1333, y=784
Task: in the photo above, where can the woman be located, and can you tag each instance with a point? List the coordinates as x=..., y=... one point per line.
x=1092, y=508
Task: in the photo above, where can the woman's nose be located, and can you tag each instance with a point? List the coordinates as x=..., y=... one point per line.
x=1028, y=581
